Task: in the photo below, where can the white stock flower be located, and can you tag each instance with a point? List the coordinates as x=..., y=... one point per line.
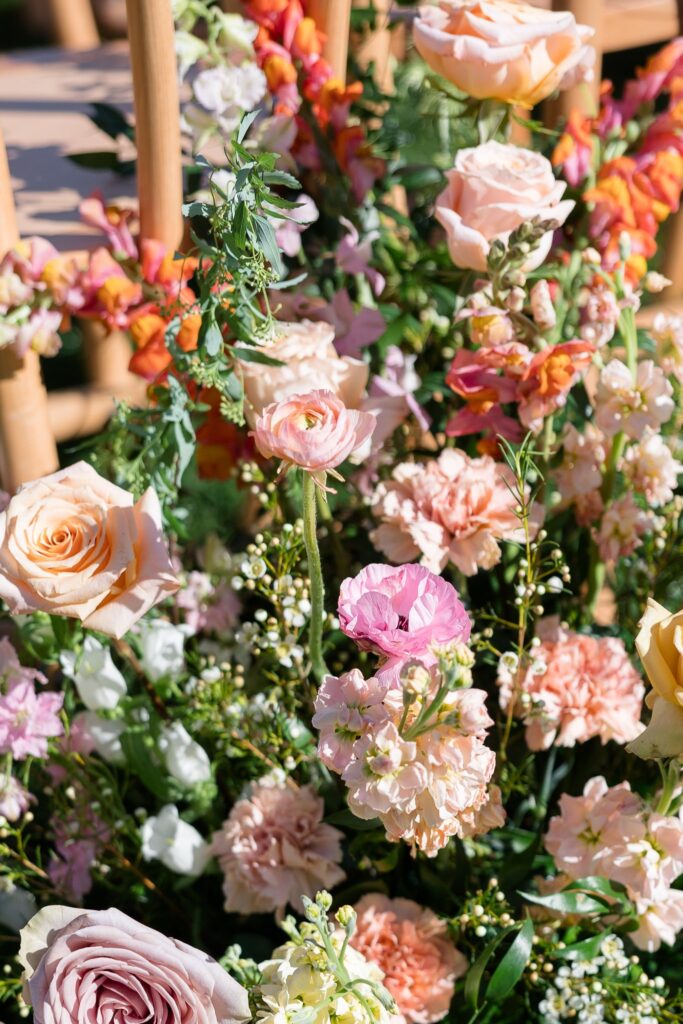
x=185, y=759
x=178, y=845
x=103, y=733
x=163, y=646
x=99, y=683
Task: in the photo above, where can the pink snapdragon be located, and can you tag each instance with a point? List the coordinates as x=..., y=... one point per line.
x=79, y=839
x=401, y=612
x=651, y=468
x=579, y=475
x=622, y=529
x=622, y=403
x=577, y=687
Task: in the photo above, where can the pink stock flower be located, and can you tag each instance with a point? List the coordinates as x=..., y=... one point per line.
x=314, y=431
x=583, y=455
x=14, y=799
x=113, y=221
x=28, y=720
x=651, y=468
x=410, y=944
x=622, y=403
x=576, y=688
x=659, y=921
x=667, y=334
x=451, y=509
x=274, y=847
x=599, y=315
x=208, y=608
x=622, y=529
x=401, y=612
x=346, y=708
x=288, y=232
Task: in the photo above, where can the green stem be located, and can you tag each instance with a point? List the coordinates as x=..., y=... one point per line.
x=315, y=633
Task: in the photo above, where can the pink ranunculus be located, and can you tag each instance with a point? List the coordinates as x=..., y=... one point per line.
x=401, y=612
x=504, y=50
x=73, y=544
x=92, y=967
x=311, y=362
x=410, y=944
x=451, y=509
x=492, y=189
x=274, y=848
x=314, y=431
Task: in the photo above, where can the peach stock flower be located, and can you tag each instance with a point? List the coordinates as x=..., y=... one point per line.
x=491, y=190
x=504, y=49
x=410, y=944
x=314, y=431
x=73, y=544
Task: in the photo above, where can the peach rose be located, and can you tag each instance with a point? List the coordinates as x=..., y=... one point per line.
x=491, y=190
x=660, y=646
x=315, y=431
x=73, y=544
x=311, y=361
x=504, y=49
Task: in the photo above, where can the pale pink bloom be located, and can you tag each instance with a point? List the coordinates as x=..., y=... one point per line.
x=288, y=232
x=492, y=189
x=28, y=720
x=384, y=773
x=577, y=687
x=659, y=921
x=583, y=455
x=506, y=51
x=314, y=431
x=624, y=404
x=651, y=468
x=274, y=847
x=14, y=799
x=354, y=257
x=542, y=308
x=399, y=380
x=401, y=612
x=79, y=839
x=451, y=509
x=40, y=333
x=114, y=222
x=353, y=331
x=489, y=326
x=29, y=258
x=667, y=334
x=102, y=965
x=588, y=508
x=622, y=529
x=13, y=291
x=346, y=708
x=600, y=313
x=410, y=944
x=208, y=608
x=11, y=671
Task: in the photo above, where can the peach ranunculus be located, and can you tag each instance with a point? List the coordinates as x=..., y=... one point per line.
x=660, y=646
x=492, y=189
x=314, y=431
x=504, y=49
x=73, y=544
x=310, y=361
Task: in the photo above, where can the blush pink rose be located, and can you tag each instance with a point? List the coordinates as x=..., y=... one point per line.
x=503, y=50
x=491, y=190
x=310, y=361
x=99, y=966
x=74, y=544
x=314, y=431
x=410, y=944
x=401, y=611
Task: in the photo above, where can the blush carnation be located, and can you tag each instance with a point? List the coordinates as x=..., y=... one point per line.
x=273, y=848
x=577, y=687
x=451, y=509
x=401, y=612
x=410, y=944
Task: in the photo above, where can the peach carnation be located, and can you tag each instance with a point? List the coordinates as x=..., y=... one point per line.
x=274, y=848
x=452, y=509
x=410, y=944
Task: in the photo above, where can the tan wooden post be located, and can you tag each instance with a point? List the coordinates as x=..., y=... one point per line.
x=376, y=46
x=333, y=18
x=74, y=24
x=584, y=97
x=157, y=119
x=27, y=447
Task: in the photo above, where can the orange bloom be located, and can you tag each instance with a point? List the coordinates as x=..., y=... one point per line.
x=117, y=294
x=334, y=92
x=279, y=71
x=268, y=6
x=188, y=334
x=307, y=39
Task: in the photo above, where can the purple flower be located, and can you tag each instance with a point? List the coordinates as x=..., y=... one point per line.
x=353, y=256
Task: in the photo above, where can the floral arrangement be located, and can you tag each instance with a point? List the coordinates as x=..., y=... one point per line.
x=342, y=679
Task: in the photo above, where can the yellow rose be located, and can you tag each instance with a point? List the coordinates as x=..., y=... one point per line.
x=660, y=646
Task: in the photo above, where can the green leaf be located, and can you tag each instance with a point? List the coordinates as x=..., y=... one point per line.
x=281, y=178
x=196, y=209
x=210, y=336
x=476, y=971
x=106, y=160
x=511, y=967
x=245, y=125
x=569, y=902
x=139, y=758
x=111, y=121
x=348, y=819
x=254, y=355
x=268, y=243
x=587, y=949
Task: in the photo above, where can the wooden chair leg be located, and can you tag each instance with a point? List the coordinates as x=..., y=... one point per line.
x=74, y=24
x=583, y=97
x=672, y=266
x=375, y=47
x=333, y=18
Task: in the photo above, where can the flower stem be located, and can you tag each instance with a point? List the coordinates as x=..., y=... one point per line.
x=315, y=634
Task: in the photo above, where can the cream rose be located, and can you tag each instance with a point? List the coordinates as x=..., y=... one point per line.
x=74, y=544
x=504, y=50
x=660, y=646
x=310, y=363
x=491, y=190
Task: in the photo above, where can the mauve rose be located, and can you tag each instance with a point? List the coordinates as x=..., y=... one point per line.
x=101, y=967
x=491, y=190
x=502, y=50
x=74, y=544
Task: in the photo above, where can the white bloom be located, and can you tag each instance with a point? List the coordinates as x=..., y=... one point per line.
x=189, y=48
x=186, y=761
x=652, y=469
x=103, y=733
x=99, y=683
x=162, y=648
x=226, y=92
x=237, y=35
x=179, y=846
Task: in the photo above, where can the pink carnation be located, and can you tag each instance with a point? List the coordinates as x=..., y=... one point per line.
x=28, y=720
x=273, y=848
x=410, y=944
x=401, y=612
x=577, y=687
x=452, y=509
